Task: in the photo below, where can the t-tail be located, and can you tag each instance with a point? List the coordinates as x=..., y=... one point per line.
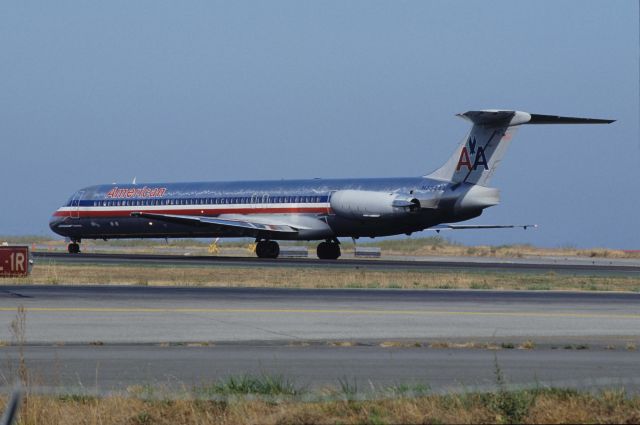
x=482, y=150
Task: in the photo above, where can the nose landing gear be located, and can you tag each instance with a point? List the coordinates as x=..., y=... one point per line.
x=267, y=249
x=74, y=247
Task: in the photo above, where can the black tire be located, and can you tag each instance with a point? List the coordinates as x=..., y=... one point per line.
x=273, y=249
x=328, y=251
x=267, y=249
x=73, y=248
x=261, y=248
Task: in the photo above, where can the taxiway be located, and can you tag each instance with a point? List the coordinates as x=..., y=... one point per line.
x=136, y=335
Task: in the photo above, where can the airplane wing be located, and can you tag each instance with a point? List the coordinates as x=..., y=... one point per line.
x=237, y=222
x=440, y=227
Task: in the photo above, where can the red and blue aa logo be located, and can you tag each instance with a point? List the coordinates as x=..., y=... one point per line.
x=472, y=151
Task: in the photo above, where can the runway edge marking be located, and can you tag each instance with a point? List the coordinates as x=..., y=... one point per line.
x=320, y=311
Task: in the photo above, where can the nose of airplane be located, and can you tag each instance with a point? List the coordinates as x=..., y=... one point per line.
x=54, y=223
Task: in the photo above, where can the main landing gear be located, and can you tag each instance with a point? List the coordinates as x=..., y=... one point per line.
x=329, y=250
x=267, y=249
x=74, y=247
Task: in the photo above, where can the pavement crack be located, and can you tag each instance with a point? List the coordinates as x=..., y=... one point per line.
x=16, y=294
x=254, y=327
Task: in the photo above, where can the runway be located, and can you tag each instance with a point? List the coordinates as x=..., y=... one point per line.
x=590, y=266
x=192, y=335
x=176, y=368
x=81, y=314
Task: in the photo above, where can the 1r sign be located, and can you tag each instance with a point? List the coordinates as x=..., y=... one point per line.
x=14, y=261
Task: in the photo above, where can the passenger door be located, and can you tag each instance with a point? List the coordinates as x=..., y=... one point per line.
x=75, y=204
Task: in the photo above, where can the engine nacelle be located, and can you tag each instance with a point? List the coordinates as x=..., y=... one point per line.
x=365, y=204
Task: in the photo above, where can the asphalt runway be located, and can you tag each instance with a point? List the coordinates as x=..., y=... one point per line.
x=590, y=266
x=125, y=335
x=126, y=314
x=370, y=368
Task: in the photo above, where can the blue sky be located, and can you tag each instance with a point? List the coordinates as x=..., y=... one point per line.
x=100, y=92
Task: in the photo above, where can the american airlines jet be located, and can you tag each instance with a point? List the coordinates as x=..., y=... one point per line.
x=316, y=209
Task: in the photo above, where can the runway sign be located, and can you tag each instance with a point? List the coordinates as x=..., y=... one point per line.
x=14, y=261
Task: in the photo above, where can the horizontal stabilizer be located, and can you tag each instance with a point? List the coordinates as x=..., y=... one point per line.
x=506, y=118
x=555, y=119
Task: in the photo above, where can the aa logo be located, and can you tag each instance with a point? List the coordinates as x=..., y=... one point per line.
x=475, y=152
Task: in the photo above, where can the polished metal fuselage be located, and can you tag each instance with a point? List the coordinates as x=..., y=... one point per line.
x=104, y=211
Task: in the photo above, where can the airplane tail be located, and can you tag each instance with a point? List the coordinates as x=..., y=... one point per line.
x=477, y=157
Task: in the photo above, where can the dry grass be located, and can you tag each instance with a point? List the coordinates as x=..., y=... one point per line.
x=425, y=246
x=54, y=273
x=542, y=406
x=466, y=345
x=507, y=251
x=527, y=345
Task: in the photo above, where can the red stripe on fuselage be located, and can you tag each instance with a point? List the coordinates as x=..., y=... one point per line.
x=202, y=211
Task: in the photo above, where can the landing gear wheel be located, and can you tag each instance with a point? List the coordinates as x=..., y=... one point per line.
x=73, y=248
x=267, y=249
x=328, y=251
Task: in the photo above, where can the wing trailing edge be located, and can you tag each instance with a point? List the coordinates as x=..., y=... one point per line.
x=230, y=223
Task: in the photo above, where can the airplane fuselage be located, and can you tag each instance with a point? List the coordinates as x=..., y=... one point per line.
x=105, y=211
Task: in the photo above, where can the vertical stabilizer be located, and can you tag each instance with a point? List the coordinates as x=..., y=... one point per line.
x=478, y=156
